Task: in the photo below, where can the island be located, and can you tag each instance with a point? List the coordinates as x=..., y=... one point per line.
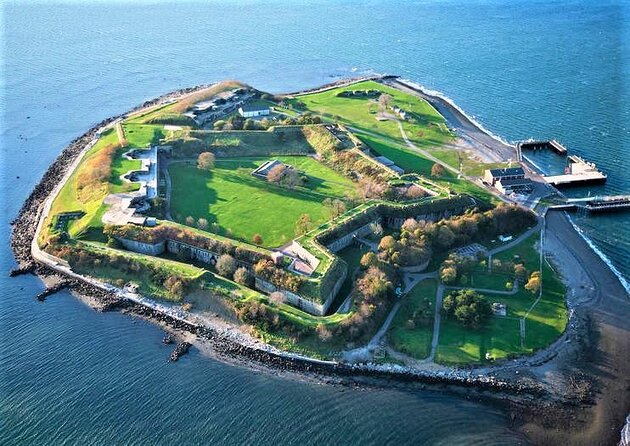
x=363, y=228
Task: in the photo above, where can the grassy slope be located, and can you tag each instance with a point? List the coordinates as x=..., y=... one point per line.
x=232, y=198
x=415, y=342
x=68, y=198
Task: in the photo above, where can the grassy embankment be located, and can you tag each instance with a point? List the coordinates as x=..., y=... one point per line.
x=544, y=323
x=243, y=205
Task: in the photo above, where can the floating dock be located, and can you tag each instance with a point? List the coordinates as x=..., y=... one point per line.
x=577, y=172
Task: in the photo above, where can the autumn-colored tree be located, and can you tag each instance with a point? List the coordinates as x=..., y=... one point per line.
x=190, y=221
x=257, y=239
x=303, y=225
x=202, y=224
x=384, y=101
x=437, y=170
x=534, y=282
x=277, y=298
x=276, y=173
x=206, y=160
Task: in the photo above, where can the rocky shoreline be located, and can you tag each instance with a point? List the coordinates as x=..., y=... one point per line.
x=524, y=397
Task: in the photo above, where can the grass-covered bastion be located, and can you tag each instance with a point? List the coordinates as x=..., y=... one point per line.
x=339, y=223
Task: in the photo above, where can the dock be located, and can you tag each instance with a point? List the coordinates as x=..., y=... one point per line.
x=598, y=204
x=542, y=145
x=577, y=172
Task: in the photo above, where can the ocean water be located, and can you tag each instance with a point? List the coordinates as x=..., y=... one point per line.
x=70, y=375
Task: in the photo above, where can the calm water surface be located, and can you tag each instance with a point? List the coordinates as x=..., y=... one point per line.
x=69, y=375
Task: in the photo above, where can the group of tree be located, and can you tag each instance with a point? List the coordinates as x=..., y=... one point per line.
x=468, y=308
x=125, y=267
x=284, y=175
x=267, y=270
x=456, y=268
x=303, y=119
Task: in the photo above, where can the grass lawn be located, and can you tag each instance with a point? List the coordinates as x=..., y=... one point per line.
x=235, y=200
x=320, y=178
x=525, y=252
x=459, y=345
x=491, y=281
x=544, y=324
x=140, y=135
x=404, y=158
x=352, y=256
x=414, y=341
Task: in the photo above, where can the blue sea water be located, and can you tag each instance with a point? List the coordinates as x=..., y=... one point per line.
x=69, y=375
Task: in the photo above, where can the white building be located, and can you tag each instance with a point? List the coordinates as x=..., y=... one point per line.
x=253, y=110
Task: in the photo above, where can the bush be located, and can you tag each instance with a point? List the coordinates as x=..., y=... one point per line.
x=244, y=277
x=205, y=161
x=226, y=265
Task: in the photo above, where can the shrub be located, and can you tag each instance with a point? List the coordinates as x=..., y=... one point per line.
x=243, y=276
x=226, y=265
x=205, y=161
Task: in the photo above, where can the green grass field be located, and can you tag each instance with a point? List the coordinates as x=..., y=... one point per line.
x=543, y=324
x=414, y=341
x=235, y=200
x=141, y=135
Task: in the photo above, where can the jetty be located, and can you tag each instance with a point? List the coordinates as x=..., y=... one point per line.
x=598, y=204
x=577, y=172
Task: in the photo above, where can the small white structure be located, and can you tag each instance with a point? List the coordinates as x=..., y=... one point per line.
x=499, y=309
x=254, y=110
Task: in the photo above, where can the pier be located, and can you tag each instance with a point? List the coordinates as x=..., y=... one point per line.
x=599, y=204
x=577, y=172
x=541, y=145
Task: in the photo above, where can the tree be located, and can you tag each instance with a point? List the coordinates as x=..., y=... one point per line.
x=323, y=332
x=190, y=221
x=445, y=236
x=226, y=265
x=448, y=274
x=388, y=242
x=276, y=173
x=242, y=276
x=291, y=178
x=534, y=282
x=337, y=207
x=520, y=272
x=374, y=285
x=303, y=225
x=219, y=125
x=277, y=298
x=437, y=170
x=249, y=124
x=368, y=259
x=467, y=307
x=205, y=160
x=202, y=224
x=175, y=286
x=257, y=239
x=384, y=101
